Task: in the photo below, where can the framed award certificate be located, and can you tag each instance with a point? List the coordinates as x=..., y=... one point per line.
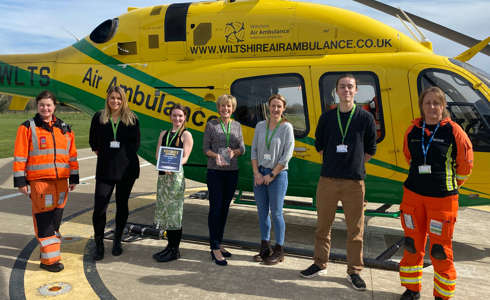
x=169, y=159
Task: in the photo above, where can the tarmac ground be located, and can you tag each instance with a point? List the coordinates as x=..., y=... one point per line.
x=135, y=275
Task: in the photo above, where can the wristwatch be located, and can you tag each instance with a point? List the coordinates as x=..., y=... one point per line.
x=272, y=174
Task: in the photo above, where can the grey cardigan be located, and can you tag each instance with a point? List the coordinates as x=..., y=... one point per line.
x=215, y=138
x=281, y=147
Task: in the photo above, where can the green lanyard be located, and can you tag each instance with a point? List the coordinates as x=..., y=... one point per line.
x=267, y=140
x=114, y=128
x=172, y=139
x=227, y=133
x=348, y=121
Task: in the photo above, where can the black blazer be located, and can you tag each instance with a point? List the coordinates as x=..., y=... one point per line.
x=115, y=164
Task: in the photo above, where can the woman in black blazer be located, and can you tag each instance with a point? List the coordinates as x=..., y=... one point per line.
x=115, y=138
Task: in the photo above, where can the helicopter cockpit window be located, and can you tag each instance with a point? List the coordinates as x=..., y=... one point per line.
x=105, y=31
x=368, y=96
x=252, y=94
x=467, y=106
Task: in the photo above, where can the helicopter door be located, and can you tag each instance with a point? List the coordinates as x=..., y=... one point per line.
x=372, y=95
x=252, y=88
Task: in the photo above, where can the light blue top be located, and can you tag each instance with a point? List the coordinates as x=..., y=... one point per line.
x=281, y=147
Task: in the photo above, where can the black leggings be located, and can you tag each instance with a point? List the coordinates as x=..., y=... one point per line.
x=103, y=192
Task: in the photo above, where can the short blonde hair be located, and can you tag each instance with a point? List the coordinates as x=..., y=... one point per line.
x=223, y=99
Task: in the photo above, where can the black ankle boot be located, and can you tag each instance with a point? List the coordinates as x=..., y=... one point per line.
x=99, y=248
x=277, y=256
x=173, y=253
x=116, y=244
x=264, y=252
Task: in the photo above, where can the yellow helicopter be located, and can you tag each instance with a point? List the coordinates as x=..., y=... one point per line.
x=190, y=53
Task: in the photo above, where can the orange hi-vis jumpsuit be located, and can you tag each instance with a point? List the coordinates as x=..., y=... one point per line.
x=430, y=201
x=45, y=156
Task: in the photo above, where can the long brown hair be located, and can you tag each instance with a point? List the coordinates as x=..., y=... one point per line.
x=182, y=128
x=439, y=95
x=127, y=116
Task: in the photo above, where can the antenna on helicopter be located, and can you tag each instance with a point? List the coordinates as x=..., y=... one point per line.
x=70, y=33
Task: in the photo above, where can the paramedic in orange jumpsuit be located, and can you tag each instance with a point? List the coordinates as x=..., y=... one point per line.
x=45, y=156
x=440, y=155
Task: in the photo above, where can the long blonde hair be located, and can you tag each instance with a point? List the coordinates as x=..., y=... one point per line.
x=127, y=116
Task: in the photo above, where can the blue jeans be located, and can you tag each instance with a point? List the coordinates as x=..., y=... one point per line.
x=271, y=197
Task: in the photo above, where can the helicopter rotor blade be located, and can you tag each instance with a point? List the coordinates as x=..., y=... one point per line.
x=449, y=34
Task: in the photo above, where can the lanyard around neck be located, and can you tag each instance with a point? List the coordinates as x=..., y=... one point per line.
x=114, y=128
x=267, y=139
x=227, y=133
x=173, y=137
x=425, y=148
x=348, y=122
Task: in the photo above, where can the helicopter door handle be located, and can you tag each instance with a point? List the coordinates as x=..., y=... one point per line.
x=300, y=149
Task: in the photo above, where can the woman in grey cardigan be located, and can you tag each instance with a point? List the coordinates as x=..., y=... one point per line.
x=222, y=144
x=272, y=148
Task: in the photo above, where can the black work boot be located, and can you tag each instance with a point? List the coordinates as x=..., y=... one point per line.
x=172, y=253
x=410, y=295
x=56, y=267
x=116, y=243
x=99, y=248
x=264, y=252
x=277, y=255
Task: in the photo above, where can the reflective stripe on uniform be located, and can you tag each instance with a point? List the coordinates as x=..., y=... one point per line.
x=68, y=143
x=442, y=291
x=47, y=151
x=62, y=198
x=46, y=166
x=49, y=255
x=450, y=184
x=73, y=158
x=444, y=280
x=19, y=174
x=19, y=159
x=411, y=269
x=411, y=280
x=50, y=241
x=73, y=172
x=462, y=177
x=35, y=145
x=48, y=200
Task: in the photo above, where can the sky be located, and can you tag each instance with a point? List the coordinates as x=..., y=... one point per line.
x=35, y=26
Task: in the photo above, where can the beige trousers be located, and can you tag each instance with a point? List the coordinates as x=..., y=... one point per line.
x=351, y=193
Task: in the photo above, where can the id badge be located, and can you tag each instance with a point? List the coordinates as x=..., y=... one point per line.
x=341, y=148
x=115, y=144
x=267, y=156
x=424, y=169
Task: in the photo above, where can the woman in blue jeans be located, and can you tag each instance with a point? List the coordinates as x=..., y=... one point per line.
x=272, y=148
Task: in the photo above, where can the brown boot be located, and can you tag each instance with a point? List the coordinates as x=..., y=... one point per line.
x=276, y=257
x=265, y=251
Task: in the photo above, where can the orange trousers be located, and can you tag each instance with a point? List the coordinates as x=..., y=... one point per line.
x=48, y=199
x=433, y=216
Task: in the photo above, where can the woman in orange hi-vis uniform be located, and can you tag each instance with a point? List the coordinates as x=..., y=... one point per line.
x=45, y=156
x=440, y=155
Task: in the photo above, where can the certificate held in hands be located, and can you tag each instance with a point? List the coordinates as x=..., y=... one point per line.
x=169, y=159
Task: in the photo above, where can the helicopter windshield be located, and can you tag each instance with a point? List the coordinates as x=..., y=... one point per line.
x=468, y=107
x=482, y=75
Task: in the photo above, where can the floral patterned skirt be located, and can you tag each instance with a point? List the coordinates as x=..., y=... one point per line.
x=169, y=205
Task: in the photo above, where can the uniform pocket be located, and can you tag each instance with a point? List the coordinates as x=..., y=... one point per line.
x=408, y=218
x=441, y=224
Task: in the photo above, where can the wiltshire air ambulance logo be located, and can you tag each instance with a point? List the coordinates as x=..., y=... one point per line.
x=235, y=32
